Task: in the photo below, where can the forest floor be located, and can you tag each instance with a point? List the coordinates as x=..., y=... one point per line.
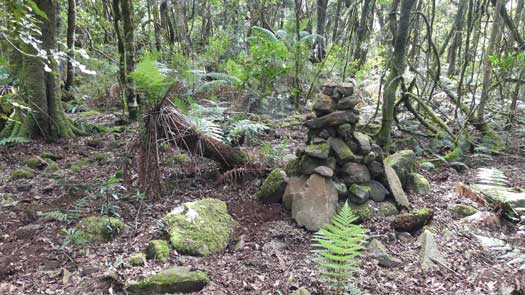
x=275, y=254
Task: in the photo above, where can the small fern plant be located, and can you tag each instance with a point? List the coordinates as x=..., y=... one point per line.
x=338, y=247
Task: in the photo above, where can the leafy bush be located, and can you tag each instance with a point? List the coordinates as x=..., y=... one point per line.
x=338, y=248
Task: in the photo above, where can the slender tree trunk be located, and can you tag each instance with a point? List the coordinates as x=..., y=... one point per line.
x=487, y=68
x=71, y=23
x=363, y=32
x=336, y=21
x=129, y=44
x=457, y=38
x=322, y=5
x=120, y=47
x=397, y=67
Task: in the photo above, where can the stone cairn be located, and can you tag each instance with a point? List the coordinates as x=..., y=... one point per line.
x=337, y=158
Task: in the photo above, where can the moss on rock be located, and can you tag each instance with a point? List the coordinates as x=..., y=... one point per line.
x=461, y=210
x=404, y=163
x=273, y=187
x=35, y=163
x=172, y=280
x=293, y=167
x=158, y=250
x=100, y=228
x=200, y=228
x=21, y=173
x=137, y=259
x=418, y=183
x=52, y=165
x=320, y=150
x=413, y=221
x=362, y=211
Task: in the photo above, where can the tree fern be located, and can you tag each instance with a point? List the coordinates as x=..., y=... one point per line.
x=338, y=247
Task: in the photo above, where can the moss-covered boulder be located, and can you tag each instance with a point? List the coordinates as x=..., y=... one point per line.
x=413, y=221
x=273, y=187
x=404, y=163
x=461, y=210
x=200, y=228
x=172, y=280
x=418, y=183
x=52, y=166
x=137, y=259
x=385, y=209
x=293, y=167
x=100, y=228
x=36, y=163
x=308, y=164
x=158, y=250
x=22, y=173
x=358, y=194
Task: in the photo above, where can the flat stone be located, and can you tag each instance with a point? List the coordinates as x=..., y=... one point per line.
x=378, y=251
x=429, y=252
x=341, y=149
x=316, y=204
x=273, y=187
x=173, y=280
x=333, y=119
x=404, y=163
x=347, y=103
x=324, y=171
x=418, y=183
x=320, y=150
x=378, y=192
x=345, y=132
x=308, y=164
x=295, y=185
x=395, y=186
x=364, y=142
x=462, y=211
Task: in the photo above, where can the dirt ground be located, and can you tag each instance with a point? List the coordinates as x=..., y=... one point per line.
x=274, y=255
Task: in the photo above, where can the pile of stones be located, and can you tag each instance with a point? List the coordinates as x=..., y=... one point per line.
x=337, y=163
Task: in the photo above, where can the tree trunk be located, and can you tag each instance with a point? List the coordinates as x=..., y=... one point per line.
x=71, y=23
x=397, y=67
x=41, y=84
x=361, y=50
x=457, y=38
x=126, y=7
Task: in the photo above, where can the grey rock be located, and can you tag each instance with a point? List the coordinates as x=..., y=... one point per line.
x=273, y=187
x=342, y=190
x=308, y=164
x=316, y=204
x=323, y=105
x=378, y=192
x=347, y=103
x=355, y=173
x=378, y=251
x=173, y=280
x=333, y=119
x=369, y=158
x=376, y=169
x=345, y=132
x=378, y=151
x=364, y=142
x=324, y=171
x=427, y=166
x=418, y=183
x=430, y=253
x=295, y=185
x=404, y=163
x=395, y=186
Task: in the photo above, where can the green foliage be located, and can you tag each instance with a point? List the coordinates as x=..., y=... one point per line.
x=152, y=78
x=70, y=215
x=338, y=247
x=73, y=237
x=247, y=129
x=274, y=155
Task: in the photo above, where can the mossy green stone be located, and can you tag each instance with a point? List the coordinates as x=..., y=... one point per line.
x=418, y=183
x=51, y=156
x=137, y=259
x=158, y=250
x=403, y=162
x=463, y=210
x=200, y=228
x=34, y=163
x=52, y=165
x=293, y=167
x=21, y=173
x=181, y=158
x=413, y=221
x=172, y=280
x=273, y=187
x=100, y=228
x=320, y=150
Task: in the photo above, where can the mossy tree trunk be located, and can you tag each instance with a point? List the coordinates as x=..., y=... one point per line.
x=126, y=7
x=397, y=67
x=71, y=23
x=47, y=118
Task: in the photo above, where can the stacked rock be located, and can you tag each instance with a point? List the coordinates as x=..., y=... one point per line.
x=336, y=150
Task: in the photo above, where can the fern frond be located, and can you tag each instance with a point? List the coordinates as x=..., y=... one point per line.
x=338, y=246
x=264, y=33
x=9, y=140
